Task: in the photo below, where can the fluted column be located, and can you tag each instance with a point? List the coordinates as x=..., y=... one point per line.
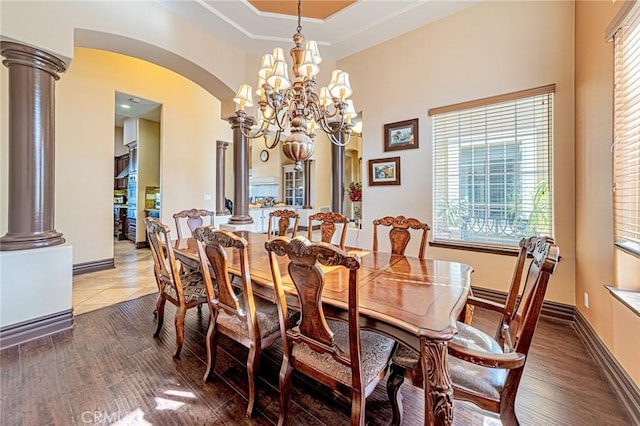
x=240, y=123
x=221, y=153
x=32, y=76
x=307, y=185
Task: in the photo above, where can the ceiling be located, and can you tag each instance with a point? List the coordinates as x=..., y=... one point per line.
x=133, y=106
x=319, y=9
x=341, y=28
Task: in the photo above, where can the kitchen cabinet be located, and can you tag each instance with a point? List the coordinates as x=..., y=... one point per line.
x=130, y=130
x=120, y=223
x=121, y=171
x=144, y=172
x=261, y=218
x=293, y=186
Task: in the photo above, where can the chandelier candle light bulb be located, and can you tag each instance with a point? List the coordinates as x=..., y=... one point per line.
x=293, y=104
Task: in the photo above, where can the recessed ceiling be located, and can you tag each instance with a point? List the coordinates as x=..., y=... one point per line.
x=318, y=9
x=127, y=106
x=354, y=27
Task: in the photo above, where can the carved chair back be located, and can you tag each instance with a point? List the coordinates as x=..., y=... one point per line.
x=484, y=371
x=399, y=234
x=328, y=226
x=518, y=326
x=311, y=346
x=165, y=266
x=248, y=320
x=284, y=220
x=211, y=251
x=194, y=218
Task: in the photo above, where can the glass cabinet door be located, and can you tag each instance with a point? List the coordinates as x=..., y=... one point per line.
x=293, y=186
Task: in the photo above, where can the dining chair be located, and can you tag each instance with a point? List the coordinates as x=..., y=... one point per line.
x=183, y=288
x=399, y=234
x=195, y=218
x=334, y=353
x=486, y=370
x=235, y=312
x=328, y=221
x=284, y=220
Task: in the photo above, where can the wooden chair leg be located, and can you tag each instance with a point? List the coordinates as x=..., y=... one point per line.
x=180, y=314
x=285, y=390
x=212, y=345
x=358, y=403
x=508, y=411
x=396, y=378
x=253, y=366
x=159, y=313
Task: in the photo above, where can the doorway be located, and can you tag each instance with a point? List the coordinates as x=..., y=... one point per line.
x=137, y=192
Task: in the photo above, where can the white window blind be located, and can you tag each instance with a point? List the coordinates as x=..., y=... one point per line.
x=626, y=148
x=492, y=171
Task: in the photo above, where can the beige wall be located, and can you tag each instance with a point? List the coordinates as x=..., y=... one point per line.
x=84, y=145
x=598, y=263
x=488, y=49
x=162, y=37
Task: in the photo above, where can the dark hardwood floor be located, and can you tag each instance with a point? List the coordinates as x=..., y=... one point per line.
x=110, y=370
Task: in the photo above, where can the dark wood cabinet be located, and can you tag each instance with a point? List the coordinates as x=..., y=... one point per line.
x=120, y=165
x=120, y=223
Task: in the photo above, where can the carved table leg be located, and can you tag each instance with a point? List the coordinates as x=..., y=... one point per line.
x=438, y=392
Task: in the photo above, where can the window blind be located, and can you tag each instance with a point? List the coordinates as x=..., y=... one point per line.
x=492, y=171
x=626, y=148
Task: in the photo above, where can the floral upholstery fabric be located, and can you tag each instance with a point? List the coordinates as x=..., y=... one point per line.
x=475, y=379
x=266, y=312
x=192, y=286
x=376, y=351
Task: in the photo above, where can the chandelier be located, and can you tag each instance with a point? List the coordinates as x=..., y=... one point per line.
x=293, y=104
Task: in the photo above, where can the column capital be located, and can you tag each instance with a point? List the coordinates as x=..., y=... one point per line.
x=241, y=120
x=222, y=144
x=20, y=54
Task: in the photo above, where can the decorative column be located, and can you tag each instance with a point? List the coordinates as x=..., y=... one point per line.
x=32, y=76
x=337, y=176
x=221, y=151
x=240, y=123
x=307, y=184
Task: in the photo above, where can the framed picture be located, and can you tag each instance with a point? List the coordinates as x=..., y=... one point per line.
x=401, y=135
x=384, y=171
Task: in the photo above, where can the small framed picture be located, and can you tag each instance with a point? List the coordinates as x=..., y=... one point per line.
x=401, y=135
x=384, y=171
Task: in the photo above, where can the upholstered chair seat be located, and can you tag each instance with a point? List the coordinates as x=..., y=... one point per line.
x=376, y=350
x=485, y=382
x=266, y=314
x=192, y=286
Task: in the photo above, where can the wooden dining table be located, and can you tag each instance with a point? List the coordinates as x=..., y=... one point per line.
x=413, y=301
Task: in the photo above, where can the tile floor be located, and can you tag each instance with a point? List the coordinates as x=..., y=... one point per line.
x=131, y=278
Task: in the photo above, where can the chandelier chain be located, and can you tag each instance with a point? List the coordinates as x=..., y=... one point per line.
x=299, y=29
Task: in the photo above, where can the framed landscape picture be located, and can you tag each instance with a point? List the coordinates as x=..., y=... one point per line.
x=401, y=135
x=384, y=171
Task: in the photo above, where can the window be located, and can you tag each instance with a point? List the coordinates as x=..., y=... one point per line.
x=492, y=171
x=626, y=148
